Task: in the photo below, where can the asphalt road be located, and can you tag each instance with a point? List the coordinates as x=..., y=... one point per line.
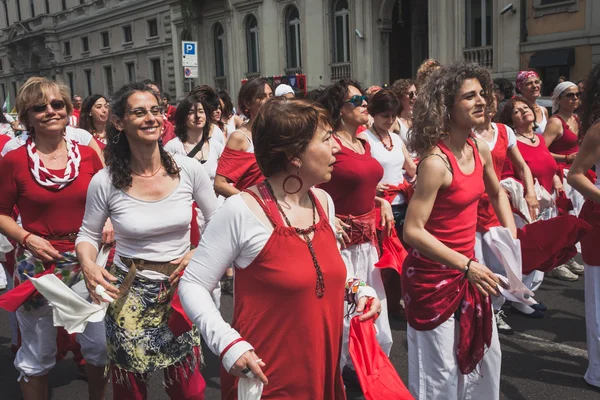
x=545, y=359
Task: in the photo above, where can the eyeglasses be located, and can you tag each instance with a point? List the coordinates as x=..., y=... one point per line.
x=141, y=112
x=56, y=105
x=356, y=100
x=573, y=96
x=411, y=95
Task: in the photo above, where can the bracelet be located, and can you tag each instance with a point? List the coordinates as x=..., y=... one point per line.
x=24, y=241
x=468, y=267
x=230, y=345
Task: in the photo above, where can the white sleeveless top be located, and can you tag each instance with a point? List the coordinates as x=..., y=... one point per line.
x=391, y=161
x=541, y=126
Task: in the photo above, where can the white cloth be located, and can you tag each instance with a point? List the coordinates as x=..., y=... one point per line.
x=217, y=135
x=391, y=161
x=558, y=90
x=5, y=247
x=433, y=367
x=9, y=118
x=592, y=323
x=360, y=260
x=512, y=138
x=175, y=146
x=6, y=129
x=235, y=237
x=157, y=231
x=516, y=193
x=572, y=194
x=541, y=125
x=230, y=126
x=249, y=389
x=78, y=135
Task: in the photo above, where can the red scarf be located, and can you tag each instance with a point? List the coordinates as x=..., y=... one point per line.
x=433, y=292
x=46, y=178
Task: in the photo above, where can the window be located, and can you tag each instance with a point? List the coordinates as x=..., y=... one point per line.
x=544, y=7
x=47, y=6
x=108, y=79
x=85, y=44
x=105, y=39
x=478, y=23
x=130, y=71
x=14, y=89
x=6, y=14
x=152, y=28
x=156, y=71
x=32, y=8
x=219, y=50
x=67, y=48
x=127, y=37
x=4, y=96
x=292, y=24
x=81, y=1
x=1, y=65
x=252, y=44
x=64, y=4
x=341, y=31
x=88, y=81
x=71, y=82
x=19, y=17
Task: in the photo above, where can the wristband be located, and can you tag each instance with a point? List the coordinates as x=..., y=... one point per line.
x=230, y=345
x=24, y=241
x=468, y=267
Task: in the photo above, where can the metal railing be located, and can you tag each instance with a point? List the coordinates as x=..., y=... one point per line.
x=340, y=71
x=221, y=82
x=293, y=71
x=484, y=56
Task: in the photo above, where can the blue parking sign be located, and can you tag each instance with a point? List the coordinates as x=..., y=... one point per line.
x=189, y=48
x=189, y=54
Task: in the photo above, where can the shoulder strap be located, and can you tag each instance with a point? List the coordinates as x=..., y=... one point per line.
x=275, y=215
x=262, y=205
x=440, y=156
x=320, y=210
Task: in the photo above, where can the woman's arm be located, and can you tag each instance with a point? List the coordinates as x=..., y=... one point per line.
x=589, y=153
x=237, y=141
x=409, y=165
x=223, y=187
x=524, y=173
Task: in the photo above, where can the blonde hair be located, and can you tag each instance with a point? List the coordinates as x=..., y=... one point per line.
x=36, y=91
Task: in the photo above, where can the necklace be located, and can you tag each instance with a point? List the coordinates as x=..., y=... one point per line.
x=389, y=147
x=349, y=144
x=304, y=233
x=147, y=176
x=531, y=139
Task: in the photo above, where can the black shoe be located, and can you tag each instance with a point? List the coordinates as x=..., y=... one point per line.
x=539, y=307
x=536, y=314
x=227, y=285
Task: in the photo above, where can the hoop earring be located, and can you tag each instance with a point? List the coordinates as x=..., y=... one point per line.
x=117, y=138
x=295, y=177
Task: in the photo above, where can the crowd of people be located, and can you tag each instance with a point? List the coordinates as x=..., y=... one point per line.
x=311, y=209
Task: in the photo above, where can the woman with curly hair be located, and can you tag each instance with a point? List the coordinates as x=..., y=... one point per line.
x=529, y=85
x=93, y=117
x=588, y=156
x=451, y=357
x=148, y=195
x=425, y=70
x=406, y=92
x=353, y=188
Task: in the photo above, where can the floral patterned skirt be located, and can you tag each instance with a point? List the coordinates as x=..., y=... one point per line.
x=138, y=337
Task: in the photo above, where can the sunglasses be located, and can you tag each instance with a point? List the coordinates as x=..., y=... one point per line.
x=141, y=112
x=411, y=95
x=573, y=96
x=356, y=100
x=56, y=105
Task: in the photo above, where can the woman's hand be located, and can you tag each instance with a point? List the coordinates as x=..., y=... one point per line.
x=558, y=186
x=569, y=158
x=387, y=216
x=249, y=360
x=483, y=279
x=533, y=205
x=183, y=263
x=340, y=232
x=108, y=233
x=381, y=188
x=374, y=310
x=42, y=249
x=95, y=275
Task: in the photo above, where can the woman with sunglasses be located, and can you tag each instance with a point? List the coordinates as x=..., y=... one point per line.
x=529, y=85
x=147, y=194
x=93, y=117
x=406, y=92
x=47, y=180
x=353, y=188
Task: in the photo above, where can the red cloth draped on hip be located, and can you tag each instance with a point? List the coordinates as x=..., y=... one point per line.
x=362, y=227
x=433, y=292
x=590, y=212
x=239, y=167
x=547, y=244
x=276, y=309
x=393, y=252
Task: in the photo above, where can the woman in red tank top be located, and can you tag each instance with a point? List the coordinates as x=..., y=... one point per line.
x=440, y=276
x=561, y=132
x=290, y=278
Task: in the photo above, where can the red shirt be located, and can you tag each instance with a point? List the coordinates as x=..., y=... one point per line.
x=540, y=162
x=171, y=114
x=567, y=143
x=353, y=184
x=168, y=131
x=45, y=212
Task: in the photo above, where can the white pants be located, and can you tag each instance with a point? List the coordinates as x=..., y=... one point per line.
x=37, y=354
x=592, y=323
x=360, y=260
x=486, y=256
x=576, y=198
x=433, y=367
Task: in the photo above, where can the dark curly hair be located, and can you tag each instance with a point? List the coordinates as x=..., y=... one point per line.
x=431, y=114
x=400, y=88
x=333, y=96
x=590, y=103
x=85, y=119
x=507, y=111
x=505, y=86
x=283, y=129
x=188, y=104
x=117, y=153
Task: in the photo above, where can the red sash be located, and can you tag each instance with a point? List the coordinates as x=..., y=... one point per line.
x=590, y=212
x=433, y=292
x=239, y=167
x=362, y=228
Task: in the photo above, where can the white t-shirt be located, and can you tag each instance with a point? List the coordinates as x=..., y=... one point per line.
x=78, y=135
x=391, y=161
x=175, y=146
x=217, y=135
x=235, y=236
x=157, y=231
x=512, y=138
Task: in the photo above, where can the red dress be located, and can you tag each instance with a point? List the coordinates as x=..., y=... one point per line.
x=540, y=162
x=298, y=335
x=567, y=143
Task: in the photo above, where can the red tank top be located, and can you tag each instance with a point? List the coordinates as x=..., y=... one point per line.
x=567, y=143
x=354, y=180
x=500, y=150
x=453, y=218
x=297, y=334
x=540, y=162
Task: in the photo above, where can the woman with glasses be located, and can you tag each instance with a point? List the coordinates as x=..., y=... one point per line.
x=47, y=180
x=147, y=194
x=529, y=85
x=406, y=92
x=353, y=188
x=93, y=117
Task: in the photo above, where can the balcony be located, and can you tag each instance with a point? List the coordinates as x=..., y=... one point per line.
x=483, y=56
x=293, y=71
x=221, y=82
x=341, y=71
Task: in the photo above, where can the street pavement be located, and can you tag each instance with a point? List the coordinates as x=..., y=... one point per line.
x=545, y=359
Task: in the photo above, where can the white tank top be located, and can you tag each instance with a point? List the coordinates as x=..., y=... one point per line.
x=230, y=126
x=541, y=126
